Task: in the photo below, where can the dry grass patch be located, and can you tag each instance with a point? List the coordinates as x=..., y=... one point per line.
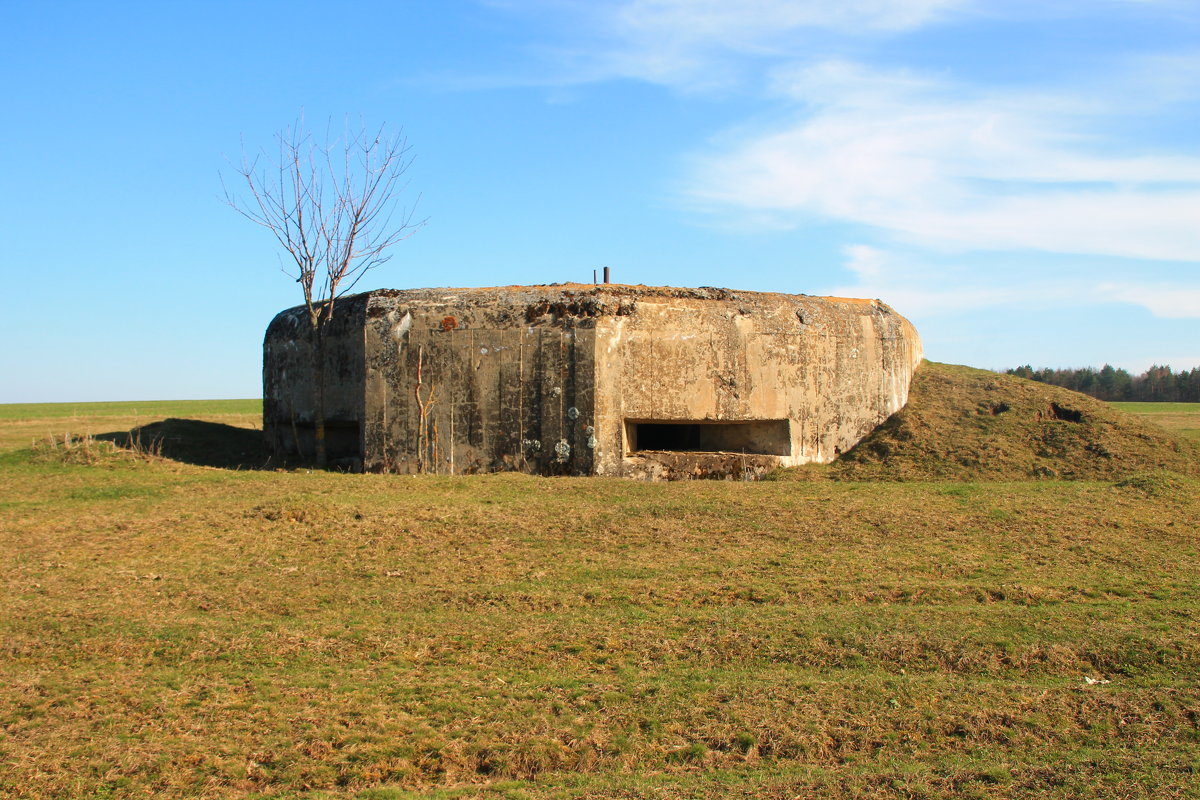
x=175, y=630
x=969, y=424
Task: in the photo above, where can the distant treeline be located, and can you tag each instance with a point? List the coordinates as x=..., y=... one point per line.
x=1155, y=385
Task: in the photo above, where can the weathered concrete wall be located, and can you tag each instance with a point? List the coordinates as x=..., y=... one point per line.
x=610, y=380
x=831, y=368
x=470, y=380
x=290, y=384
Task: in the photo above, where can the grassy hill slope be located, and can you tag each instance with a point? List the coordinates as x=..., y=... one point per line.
x=969, y=424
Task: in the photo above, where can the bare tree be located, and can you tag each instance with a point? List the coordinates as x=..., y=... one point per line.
x=335, y=208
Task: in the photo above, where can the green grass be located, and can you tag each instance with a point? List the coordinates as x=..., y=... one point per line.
x=154, y=409
x=23, y=424
x=1159, y=408
x=172, y=630
x=1180, y=418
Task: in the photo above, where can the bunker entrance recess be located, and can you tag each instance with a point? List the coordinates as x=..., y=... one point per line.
x=770, y=437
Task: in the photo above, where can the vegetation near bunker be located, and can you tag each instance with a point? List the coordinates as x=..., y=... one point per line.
x=174, y=629
x=969, y=424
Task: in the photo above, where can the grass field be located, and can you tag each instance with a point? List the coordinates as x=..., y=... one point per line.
x=1182, y=418
x=175, y=630
x=152, y=409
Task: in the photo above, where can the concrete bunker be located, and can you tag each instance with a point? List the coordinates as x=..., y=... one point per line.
x=579, y=379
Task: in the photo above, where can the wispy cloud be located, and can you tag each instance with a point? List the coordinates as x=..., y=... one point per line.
x=921, y=288
x=1168, y=300
x=751, y=23
x=684, y=41
x=918, y=289
x=922, y=163
x=702, y=44
x=948, y=166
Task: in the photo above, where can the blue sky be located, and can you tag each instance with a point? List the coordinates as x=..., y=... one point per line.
x=1021, y=179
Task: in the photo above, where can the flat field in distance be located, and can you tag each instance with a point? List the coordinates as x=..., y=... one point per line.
x=152, y=409
x=176, y=630
x=1182, y=418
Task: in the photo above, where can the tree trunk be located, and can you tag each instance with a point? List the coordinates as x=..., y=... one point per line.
x=319, y=416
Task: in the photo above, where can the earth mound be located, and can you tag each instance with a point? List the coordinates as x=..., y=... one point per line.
x=970, y=424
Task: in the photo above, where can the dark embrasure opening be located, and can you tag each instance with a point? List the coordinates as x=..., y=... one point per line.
x=770, y=437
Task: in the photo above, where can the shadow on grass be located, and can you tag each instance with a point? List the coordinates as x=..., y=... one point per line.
x=192, y=441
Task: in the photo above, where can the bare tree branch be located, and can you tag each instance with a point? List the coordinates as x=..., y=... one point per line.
x=334, y=208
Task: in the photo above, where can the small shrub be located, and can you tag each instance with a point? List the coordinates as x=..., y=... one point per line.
x=71, y=448
x=87, y=450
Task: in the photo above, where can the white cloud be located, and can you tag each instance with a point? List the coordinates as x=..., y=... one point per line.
x=751, y=24
x=923, y=160
x=918, y=288
x=1171, y=301
x=947, y=167
x=866, y=262
x=702, y=44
